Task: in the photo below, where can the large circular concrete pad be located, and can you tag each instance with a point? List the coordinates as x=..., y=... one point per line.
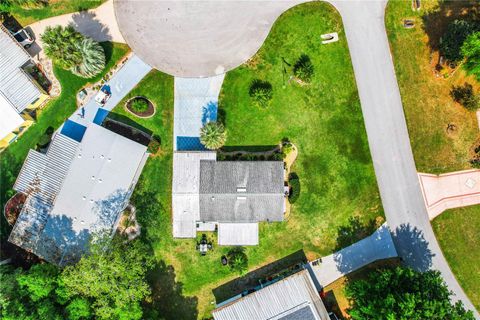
x=197, y=38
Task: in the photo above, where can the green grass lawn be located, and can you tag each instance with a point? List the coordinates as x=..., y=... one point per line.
x=458, y=232
x=426, y=98
x=53, y=114
x=26, y=16
x=323, y=119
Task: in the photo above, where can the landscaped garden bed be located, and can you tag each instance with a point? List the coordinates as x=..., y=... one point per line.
x=140, y=106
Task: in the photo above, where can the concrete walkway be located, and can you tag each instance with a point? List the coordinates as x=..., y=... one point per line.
x=195, y=104
x=378, y=246
x=364, y=23
x=450, y=190
x=122, y=82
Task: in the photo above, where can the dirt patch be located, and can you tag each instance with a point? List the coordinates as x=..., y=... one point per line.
x=149, y=112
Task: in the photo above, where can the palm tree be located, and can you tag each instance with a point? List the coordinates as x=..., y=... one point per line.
x=213, y=135
x=61, y=45
x=93, y=59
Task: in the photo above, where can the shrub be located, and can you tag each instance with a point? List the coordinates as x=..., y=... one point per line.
x=139, y=105
x=154, y=144
x=452, y=40
x=294, y=182
x=238, y=260
x=287, y=148
x=471, y=52
x=466, y=96
x=261, y=92
x=303, y=68
x=93, y=59
x=213, y=135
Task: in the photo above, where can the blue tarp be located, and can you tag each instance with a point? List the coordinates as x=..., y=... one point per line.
x=73, y=130
x=100, y=116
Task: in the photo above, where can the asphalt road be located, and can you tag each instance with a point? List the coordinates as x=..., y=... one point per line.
x=364, y=23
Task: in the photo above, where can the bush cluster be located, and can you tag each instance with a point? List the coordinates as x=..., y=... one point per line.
x=139, y=105
x=294, y=182
x=466, y=96
x=261, y=92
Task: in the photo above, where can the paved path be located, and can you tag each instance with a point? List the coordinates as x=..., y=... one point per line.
x=100, y=24
x=364, y=23
x=195, y=103
x=375, y=247
x=450, y=190
x=122, y=82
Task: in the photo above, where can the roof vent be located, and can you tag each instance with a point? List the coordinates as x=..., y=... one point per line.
x=241, y=198
x=100, y=180
x=241, y=189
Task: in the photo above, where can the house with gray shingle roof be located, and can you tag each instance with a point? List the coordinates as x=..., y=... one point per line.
x=231, y=197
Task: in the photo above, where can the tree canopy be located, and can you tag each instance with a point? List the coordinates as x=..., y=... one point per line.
x=108, y=283
x=452, y=41
x=403, y=294
x=471, y=52
x=71, y=50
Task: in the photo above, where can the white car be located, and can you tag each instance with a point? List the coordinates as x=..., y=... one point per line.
x=103, y=95
x=24, y=38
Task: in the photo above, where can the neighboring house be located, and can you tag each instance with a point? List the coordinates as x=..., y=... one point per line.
x=19, y=92
x=79, y=186
x=292, y=298
x=228, y=196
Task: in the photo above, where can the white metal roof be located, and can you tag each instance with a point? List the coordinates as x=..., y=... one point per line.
x=15, y=85
x=83, y=188
x=238, y=234
x=281, y=300
x=9, y=117
x=185, y=191
x=99, y=180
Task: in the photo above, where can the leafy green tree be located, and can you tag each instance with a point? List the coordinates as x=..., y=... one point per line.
x=303, y=68
x=471, y=52
x=93, y=59
x=29, y=294
x=452, y=41
x=261, y=92
x=238, y=260
x=213, y=135
x=403, y=294
x=79, y=309
x=113, y=277
x=466, y=96
x=61, y=44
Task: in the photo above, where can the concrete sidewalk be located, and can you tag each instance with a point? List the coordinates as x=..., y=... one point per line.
x=122, y=82
x=450, y=190
x=375, y=247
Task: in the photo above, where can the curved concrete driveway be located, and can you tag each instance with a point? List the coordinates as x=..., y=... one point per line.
x=197, y=38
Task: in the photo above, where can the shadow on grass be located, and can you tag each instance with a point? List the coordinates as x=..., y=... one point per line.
x=127, y=128
x=354, y=231
x=168, y=301
x=108, y=50
x=435, y=22
x=254, y=278
x=249, y=148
